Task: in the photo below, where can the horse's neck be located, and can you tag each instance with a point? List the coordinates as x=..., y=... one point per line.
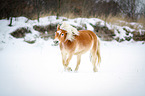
x=61, y=45
x=65, y=44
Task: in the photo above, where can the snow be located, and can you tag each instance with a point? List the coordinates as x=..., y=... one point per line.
x=89, y=27
x=33, y=70
x=37, y=70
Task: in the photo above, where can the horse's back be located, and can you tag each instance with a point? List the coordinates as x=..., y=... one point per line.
x=85, y=40
x=86, y=35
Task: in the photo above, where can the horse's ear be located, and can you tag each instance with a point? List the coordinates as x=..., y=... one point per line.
x=58, y=27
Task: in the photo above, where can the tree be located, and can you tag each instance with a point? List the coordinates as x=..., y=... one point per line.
x=129, y=7
x=58, y=9
x=37, y=6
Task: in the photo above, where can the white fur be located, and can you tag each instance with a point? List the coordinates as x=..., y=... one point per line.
x=71, y=31
x=59, y=32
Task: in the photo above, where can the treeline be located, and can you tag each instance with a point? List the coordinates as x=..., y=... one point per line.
x=132, y=9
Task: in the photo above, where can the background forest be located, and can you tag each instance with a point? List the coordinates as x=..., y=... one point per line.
x=130, y=9
x=117, y=12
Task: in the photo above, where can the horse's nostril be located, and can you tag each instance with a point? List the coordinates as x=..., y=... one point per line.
x=55, y=42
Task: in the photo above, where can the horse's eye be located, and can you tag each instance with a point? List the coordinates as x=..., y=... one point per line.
x=62, y=34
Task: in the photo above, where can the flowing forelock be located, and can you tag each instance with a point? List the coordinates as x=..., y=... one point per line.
x=70, y=30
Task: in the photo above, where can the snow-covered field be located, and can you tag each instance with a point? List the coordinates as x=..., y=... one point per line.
x=36, y=69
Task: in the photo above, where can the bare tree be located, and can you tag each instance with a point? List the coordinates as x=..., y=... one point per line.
x=38, y=8
x=129, y=7
x=58, y=9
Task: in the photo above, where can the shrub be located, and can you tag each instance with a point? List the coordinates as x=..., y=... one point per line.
x=139, y=36
x=21, y=32
x=46, y=31
x=104, y=33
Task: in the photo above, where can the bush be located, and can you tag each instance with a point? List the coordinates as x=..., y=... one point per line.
x=104, y=33
x=21, y=32
x=139, y=36
x=46, y=31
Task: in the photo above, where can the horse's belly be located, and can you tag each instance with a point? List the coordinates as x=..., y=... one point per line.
x=82, y=49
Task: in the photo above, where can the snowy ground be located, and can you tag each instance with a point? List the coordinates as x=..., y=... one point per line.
x=37, y=70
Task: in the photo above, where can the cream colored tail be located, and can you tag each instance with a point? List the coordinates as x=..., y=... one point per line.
x=98, y=52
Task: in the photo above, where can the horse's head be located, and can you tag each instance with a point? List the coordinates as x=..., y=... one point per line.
x=60, y=35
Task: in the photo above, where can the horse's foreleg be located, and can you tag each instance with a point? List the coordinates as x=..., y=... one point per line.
x=63, y=58
x=78, y=62
x=67, y=62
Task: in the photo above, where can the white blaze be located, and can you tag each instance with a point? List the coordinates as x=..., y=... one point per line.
x=59, y=32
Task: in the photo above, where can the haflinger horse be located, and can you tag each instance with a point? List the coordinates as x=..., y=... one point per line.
x=77, y=43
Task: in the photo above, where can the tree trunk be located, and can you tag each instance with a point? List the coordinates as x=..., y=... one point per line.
x=38, y=16
x=58, y=9
x=38, y=9
x=11, y=19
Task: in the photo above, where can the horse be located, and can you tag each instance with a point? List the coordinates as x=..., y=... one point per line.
x=82, y=42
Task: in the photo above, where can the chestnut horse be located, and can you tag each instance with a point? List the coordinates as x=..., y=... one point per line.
x=84, y=41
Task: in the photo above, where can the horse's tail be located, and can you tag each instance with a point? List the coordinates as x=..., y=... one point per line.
x=98, y=52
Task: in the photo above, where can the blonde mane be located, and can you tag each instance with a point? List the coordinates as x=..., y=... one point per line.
x=71, y=31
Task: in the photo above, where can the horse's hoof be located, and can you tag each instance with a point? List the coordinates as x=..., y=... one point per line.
x=95, y=70
x=76, y=71
x=69, y=69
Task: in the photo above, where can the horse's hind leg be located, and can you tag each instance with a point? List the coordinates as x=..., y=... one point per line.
x=93, y=60
x=78, y=62
x=94, y=64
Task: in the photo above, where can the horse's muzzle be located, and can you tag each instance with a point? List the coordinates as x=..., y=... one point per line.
x=56, y=42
